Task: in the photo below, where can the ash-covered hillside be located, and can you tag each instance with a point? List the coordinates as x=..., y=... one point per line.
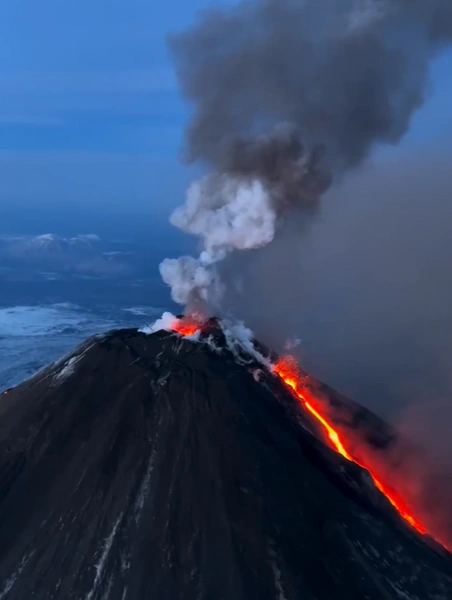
x=154, y=466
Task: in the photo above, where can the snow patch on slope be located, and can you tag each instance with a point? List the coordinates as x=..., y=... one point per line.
x=100, y=565
x=9, y=584
x=68, y=368
x=144, y=488
x=277, y=574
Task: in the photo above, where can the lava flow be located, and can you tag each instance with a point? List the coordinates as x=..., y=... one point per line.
x=287, y=370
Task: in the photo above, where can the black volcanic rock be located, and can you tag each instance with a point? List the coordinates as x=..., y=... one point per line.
x=150, y=466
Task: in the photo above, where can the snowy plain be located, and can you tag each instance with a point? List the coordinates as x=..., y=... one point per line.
x=31, y=337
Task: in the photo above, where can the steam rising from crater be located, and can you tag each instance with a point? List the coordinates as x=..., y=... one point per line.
x=239, y=208
x=286, y=95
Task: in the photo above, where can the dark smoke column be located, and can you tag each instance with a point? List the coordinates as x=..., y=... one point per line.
x=277, y=83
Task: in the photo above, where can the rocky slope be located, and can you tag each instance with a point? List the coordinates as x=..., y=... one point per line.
x=152, y=466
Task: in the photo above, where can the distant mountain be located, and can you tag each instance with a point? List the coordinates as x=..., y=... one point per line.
x=153, y=466
x=51, y=243
x=84, y=253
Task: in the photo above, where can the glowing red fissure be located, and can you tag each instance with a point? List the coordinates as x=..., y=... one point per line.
x=286, y=369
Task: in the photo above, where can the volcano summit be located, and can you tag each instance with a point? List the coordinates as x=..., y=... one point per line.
x=160, y=465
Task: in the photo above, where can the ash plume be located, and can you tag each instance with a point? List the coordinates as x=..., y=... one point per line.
x=347, y=73
x=286, y=95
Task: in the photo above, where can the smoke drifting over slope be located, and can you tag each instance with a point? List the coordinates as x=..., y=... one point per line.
x=287, y=95
x=368, y=289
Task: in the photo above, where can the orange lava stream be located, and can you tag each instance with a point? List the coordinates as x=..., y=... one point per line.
x=286, y=369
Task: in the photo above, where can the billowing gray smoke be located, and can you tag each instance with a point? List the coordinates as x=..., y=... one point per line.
x=285, y=94
x=348, y=73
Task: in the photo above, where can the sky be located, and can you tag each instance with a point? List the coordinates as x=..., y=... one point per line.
x=91, y=121
x=90, y=113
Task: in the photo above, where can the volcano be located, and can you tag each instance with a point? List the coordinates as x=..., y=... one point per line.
x=178, y=465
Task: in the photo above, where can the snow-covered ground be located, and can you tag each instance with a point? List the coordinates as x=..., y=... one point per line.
x=33, y=336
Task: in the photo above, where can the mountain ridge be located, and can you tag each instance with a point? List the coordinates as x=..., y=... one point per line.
x=151, y=464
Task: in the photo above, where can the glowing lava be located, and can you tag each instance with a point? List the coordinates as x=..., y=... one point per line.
x=185, y=326
x=286, y=368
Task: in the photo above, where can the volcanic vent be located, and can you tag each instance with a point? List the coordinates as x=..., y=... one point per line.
x=177, y=465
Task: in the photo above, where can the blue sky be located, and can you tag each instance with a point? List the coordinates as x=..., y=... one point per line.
x=89, y=107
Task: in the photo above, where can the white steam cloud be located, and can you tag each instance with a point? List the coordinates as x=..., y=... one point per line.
x=226, y=213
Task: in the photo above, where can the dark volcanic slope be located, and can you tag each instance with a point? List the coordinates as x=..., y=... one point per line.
x=153, y=467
